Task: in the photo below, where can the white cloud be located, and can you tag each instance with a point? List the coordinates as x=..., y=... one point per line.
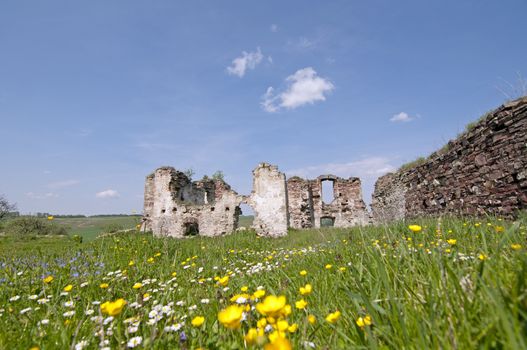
x=367, y=169
x=402, y=117
x=33, y=195
x=248, y=60
x=303, y=87
x=274, y=28
x=63, y=184
x=107, y=194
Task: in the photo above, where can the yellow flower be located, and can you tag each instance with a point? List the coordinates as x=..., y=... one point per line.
x=137, y=285
x=452, y=241
x=342, y=269
x=224, y=281
x=157, y=254
x=499, y=228
x=104, y=285
x=333, y=317
x=68, y=288
x=231, y=316
x=306, y=290
x=363, y=321
x=197, y=321
x=328, y=266
x=150, y=260
x=50, y=217
x=311, y=319
x=482, y=257
x=516, y=246
x=261, y=323
x=303, y=273
x=252, y=336
x=279, y=343
x=36, y=347
x=415, y=228
x=113, y=308
x=48, y=279
x=301, y=304
x=292, y=328
x=282, y=325
x=244, y=289
x=271, y=305
x=131, y=263
x=174, y=274
x=258, y=294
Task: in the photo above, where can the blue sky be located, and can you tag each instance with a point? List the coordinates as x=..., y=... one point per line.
x=95, y=95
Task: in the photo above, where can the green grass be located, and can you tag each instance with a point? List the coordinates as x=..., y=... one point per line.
x=420, y=291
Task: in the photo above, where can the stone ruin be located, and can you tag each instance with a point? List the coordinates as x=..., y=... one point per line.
x=307, y=208
x=178, y=207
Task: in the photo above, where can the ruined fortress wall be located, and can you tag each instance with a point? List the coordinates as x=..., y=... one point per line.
x=175, y=206
x=483, y=171
x=269, y=201
x=307, y=208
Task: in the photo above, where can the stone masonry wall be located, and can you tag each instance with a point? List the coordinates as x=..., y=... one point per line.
x=269, y=201
x=307, y=208
x=484, y=171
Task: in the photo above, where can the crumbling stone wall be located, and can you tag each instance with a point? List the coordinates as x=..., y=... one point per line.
x=175, y=206
x=269, y=201
x=307, y=208
x=484, y=171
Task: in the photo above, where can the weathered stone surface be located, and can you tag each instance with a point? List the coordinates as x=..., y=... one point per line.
x=307, y=208
x=481, y=172
x=269, y=201
x=175, y=206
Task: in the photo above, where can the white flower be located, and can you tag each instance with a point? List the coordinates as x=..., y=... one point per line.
x=205, y=301
x=15, y=298
x=25, y=310
x=180, y=303
x=63, y=294
x=44, y=321
x=135, y=341
x=174, y=328
x=96, y=302
x=32, y=297
x=81, y=345
x=309, y=344
x=241, y=300
x=107, y=320
x=69, y=304
x=89, y=312
x=68, y=313
x=84, y=284
x=193, y=307
x=132, y=329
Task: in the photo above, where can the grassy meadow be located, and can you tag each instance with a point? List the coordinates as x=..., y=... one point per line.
x=455, y=283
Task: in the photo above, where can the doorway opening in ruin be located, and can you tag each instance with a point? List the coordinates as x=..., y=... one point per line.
x=247, y=216
x=328, y=194
x=191, y=228
x=327, y=221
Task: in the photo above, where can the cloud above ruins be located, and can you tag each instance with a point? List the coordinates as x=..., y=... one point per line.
x=303, y=87
x=247, y=61
x=107, y=194
x=402, y=117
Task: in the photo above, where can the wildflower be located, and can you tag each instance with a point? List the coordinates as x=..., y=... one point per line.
x=81, y=345
x=224, y=281
x=452, y=241
x=150, y=260
x=197, y=321
x=272, y=305
x=15, y=298
x=303, y=273
x=244, y=289
x=131, y=263
x=499, y=229
x=252, y=336
x=292, y=328
x=135, y=341
x=113, y=308
x=482, y=257
x=306, y=290
x=328, y=266
x=26, y=310
x=516, y=246
x=48, y=279
x=68, y=288
x=69, y=304
x=311, y=319
x=69, y=313
x=231, y=316
x=205, y=301
x=342, y=269
x=258, y=294
x=279, y=343
x=104, y=285
x=50, y=217
x=415, y=228
x=333, y=317
x=301, y=304
x=363, y=321
x=137, y=285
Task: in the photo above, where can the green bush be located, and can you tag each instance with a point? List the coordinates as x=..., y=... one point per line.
x=26, y=226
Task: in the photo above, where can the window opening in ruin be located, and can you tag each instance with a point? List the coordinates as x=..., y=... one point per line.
x=163, y=211
x=174, y=209
x=212, y=208
x=191, y=229
x=327, y=221
x=227, y=208
x=328, y=194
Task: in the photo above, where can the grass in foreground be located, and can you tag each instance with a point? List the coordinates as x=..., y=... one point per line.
x=455, y=284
